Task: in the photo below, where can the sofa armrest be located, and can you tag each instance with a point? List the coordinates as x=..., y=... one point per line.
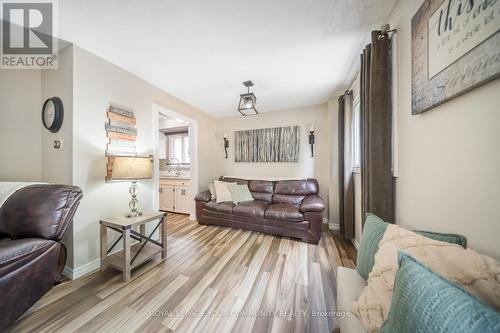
x=40, y=211
x=203, y=196
x=312, y=203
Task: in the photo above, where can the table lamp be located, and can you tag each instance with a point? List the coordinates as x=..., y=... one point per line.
x=132, y=169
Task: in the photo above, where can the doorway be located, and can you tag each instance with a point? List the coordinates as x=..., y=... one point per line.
x=175, y=161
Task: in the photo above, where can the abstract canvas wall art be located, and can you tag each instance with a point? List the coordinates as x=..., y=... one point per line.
x=280, y=144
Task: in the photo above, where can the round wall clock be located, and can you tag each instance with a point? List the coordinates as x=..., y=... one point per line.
x=53, y=114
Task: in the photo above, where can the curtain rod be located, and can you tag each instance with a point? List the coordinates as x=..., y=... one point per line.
x=387, y=28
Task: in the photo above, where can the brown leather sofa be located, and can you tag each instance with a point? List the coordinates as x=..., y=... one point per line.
x=290, y=208
x=33, y=221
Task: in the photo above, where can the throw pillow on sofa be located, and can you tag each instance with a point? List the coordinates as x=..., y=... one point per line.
x=478, y=274
x=374, y=230
x=426, y=302
x=213, y=194
x=222, y=191
x=240, y=193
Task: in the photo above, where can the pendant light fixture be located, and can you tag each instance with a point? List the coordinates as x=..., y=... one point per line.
x=247, y=101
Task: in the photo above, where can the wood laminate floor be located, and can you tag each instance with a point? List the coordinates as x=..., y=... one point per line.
x=214, y=279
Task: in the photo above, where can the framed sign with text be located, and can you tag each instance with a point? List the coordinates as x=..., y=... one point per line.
x=455, y=48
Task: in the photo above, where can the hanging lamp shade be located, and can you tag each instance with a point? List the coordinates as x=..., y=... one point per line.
x=248, y=101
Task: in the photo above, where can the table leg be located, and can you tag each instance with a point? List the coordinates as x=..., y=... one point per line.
x=104, y=247
x=126, y=256
x=163, y=234
x=143, y=231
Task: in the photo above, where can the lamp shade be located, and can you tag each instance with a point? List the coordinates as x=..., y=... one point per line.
x=131, y=168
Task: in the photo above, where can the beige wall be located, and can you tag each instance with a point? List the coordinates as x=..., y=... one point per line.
x=56, y=165
x=96, y=84
x=316, y=167
x=20, y=125
x=449, y=159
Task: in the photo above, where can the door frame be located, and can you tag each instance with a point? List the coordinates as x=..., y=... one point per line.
x=193, y=146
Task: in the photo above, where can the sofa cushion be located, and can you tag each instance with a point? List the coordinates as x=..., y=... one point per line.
x=283, y=211
x=295, y=200
x=350, y=285
x=297, y=187
x=261, y=190
x=264, y=186
x=223, y=207
x=254, y=208
x=426, y=302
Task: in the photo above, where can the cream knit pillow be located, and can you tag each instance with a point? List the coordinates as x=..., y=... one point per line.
x=213, y=194
x=222, y=191
x=478, y=274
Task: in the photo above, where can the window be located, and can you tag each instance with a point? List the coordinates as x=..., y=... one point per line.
x=178, y=147
x=356, y=127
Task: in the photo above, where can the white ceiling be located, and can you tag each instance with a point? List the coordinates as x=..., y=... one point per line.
x=297, y=52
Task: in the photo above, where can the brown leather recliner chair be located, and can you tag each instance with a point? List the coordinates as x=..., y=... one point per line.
x=290, y=208
x=33, y=221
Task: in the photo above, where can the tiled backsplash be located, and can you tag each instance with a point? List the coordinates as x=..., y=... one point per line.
x=181, y=168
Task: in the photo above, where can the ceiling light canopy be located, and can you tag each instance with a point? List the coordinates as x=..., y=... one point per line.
x=248, y=101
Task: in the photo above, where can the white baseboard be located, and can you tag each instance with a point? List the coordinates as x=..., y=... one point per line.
x=334, y=226
x=355, y=243
x=75, y=273
x=192, y=217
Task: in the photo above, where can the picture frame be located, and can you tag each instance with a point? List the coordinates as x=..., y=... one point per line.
x=455, y=48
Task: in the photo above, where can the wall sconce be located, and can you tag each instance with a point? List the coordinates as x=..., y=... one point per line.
x=226, y=143
x=311, y=139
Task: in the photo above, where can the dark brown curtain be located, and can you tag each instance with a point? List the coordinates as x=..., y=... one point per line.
x=346, y=182
x=376, y=129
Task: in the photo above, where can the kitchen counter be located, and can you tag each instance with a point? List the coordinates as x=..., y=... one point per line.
x=174, y=177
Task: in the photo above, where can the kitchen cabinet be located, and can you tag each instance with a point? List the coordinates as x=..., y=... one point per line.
x=176, y=196
x=182, y=199
x=166, y=197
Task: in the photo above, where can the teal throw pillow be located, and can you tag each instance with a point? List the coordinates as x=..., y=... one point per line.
x=425, y=302
x=448, y=238
x=240, y=193
x=373, y=232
